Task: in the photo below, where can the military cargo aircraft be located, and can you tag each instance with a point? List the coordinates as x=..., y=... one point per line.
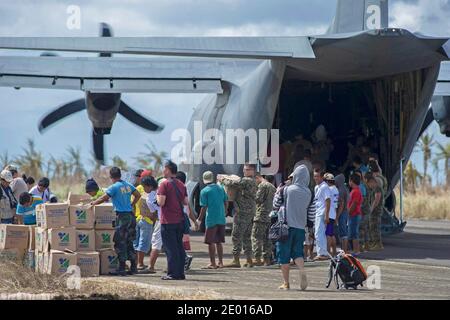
x=360, y=72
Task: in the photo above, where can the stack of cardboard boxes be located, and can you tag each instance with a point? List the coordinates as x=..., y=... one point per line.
x=74, y=233
x=14, y=241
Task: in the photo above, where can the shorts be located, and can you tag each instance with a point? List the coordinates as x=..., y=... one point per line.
x=309, y=236
x=7, y=221
x=156, y=237
x=329, y=231
x=343, y=225
x=292, y=248
x=353, y=227
x=215, y=234
x=144, y=232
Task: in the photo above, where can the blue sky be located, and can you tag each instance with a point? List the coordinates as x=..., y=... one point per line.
x=21, y=109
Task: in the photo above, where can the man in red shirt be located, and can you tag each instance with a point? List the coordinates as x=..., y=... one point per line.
x=172, y=197
x=354, y=206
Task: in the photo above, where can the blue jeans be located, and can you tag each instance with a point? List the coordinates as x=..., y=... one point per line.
x=144, y=231
x=353, y=226
x=343, y=225
x=172, y=238
x=292, y=248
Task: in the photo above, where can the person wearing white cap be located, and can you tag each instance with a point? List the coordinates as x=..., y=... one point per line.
x=329, y=231
x=8, y=202
x=18, y=185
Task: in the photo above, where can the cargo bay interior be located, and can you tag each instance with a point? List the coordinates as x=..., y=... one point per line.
x=378, y=113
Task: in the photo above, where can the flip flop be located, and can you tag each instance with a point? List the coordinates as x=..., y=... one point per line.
x=143, y=267
x=210, y=267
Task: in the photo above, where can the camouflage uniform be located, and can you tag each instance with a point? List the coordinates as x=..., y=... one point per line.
x=242, y=221
x=364, y=224
x=375, y=217
x=262, y=246
x=124, y=235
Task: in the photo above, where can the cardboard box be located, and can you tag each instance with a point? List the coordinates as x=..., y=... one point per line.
x=57, y=262
x=104, y=216
x=81, y=216
x=52, y=215
x=104, y=239
x=108, y=261
x=61, y=239
x=13, y=236
x=39, y=262
x=13, y=254
x=32, y=238
x=40, y=239
x=85, y=240
x=89, y=263
x=75, y=199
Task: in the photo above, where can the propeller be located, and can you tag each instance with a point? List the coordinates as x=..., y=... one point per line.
x=61, y=112
x=137, y=119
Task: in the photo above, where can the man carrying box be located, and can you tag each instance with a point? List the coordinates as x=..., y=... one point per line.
x=125, y=227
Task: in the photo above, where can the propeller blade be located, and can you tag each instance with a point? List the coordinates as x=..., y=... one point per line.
x=61, y=112
x=105, y=32
x=137, y=119
x=98, y=144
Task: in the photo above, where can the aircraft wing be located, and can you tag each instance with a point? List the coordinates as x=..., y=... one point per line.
x=110, y=75
x=218, y=47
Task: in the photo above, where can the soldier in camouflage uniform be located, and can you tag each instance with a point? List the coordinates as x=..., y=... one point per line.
x=243, y=220
x=376, y=211
x=262, y=246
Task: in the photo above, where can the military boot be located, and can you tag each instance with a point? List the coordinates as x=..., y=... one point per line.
x=120, y=271
x=258, y=262
x=234, y=264
x=133, y=268
x=249, y=263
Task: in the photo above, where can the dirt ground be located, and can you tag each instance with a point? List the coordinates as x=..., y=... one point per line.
x=414, y=265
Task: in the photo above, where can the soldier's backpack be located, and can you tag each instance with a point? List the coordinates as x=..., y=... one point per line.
x=347, y=272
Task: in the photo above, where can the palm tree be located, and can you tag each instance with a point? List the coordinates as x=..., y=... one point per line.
x=152, y=158
x=119, y=162
x=4, y=160
x=426, y=143
x=444, y=154
x=435, y=164
x=77, y=168
x=96, y=165
x=411, y=176
x=32, y=161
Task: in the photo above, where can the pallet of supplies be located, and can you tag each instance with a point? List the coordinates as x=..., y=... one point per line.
x=52, y=215
x=89, y=263
x=104, y=216
x=108, y=261
x=85, y=240
x=76, y=199
x=14, y=236
x=57, y=262
x=61, y=239
x=81, y=216
x=104, y=239
x=230, y=190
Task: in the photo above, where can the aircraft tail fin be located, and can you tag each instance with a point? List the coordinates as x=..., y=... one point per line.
x=359, y=15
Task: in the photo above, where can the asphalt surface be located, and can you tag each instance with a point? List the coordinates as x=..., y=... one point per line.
x=414, y=265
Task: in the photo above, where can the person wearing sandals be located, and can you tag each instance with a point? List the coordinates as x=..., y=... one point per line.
x=213, y=200
x=297, y=200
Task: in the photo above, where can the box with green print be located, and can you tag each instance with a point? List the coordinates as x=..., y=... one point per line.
x=52, y=215
x=61, y=239
x=81, y=216
x=108, y=261
x=104, y=239
x=85, y=240
x=57, y=262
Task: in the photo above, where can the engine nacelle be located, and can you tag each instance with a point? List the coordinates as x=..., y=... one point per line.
x=441, y=113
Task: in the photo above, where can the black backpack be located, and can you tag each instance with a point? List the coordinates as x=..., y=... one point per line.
x=348, y=270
